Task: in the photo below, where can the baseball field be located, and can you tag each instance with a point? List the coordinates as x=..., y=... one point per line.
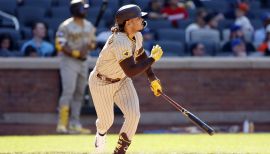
x=258, y=143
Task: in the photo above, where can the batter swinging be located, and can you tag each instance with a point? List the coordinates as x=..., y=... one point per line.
x=110, y=82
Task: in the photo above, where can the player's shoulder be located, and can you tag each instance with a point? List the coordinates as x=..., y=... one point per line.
x=120, y=38
x=66, y=22
x=88, y=23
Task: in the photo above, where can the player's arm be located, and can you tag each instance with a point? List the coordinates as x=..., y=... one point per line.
x=131, y=68
x=154, y=81
x=149, y=72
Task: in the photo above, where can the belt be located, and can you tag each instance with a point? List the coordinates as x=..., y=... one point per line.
x=104, y=78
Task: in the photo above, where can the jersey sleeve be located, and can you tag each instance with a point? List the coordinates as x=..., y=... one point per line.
x=61, y=37
x=122, y=49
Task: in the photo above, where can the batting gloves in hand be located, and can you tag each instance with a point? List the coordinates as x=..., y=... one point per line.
x=156, y=52
x=156, y=87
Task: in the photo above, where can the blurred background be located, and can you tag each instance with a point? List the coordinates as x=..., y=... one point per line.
x=215, y=64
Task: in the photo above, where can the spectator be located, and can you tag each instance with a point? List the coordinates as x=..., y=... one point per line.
x=237, y=32
x=265, y=46
x=212, y=19
x=154, y=9
x=175, y=11
x=42, y=47
x=199, y=24
x=6, y=48
x=30, y=51
x=259, y=35
x=238, y=48
x=241, y=19
x=197, y=50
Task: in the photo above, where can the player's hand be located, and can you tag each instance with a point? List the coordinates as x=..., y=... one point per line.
x=156, y=87
x=156, y=52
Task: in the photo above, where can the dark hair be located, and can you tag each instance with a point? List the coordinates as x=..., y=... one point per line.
x=118, y=28
x=193, y=46
x=34, y=25
x=4, y=36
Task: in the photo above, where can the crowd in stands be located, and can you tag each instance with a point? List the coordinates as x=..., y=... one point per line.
x=225, y=28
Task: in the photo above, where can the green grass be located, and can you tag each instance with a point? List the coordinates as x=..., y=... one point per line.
x=142, y=144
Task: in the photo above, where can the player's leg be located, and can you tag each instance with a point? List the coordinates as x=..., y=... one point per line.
x=102, y=95
x=75, y=125
x=127, y=100
x=68, y=79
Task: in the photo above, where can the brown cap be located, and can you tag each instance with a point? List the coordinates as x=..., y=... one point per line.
x=127, y=12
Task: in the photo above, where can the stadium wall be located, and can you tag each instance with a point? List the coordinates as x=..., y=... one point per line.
x=217, y=89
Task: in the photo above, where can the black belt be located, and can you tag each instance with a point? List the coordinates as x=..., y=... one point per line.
x=102, y=77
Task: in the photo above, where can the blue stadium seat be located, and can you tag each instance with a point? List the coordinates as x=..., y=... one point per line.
x=60, y=12
x=207, y=35
x=112, y=4
x=142, y=3
x=172, y=48
x=224, y=24
x=62, y=3
x=159, y=24
x=38, y=3
x=106, y=19
x=183, y=24
x=8, y=6
x=29, y=14
x=216, y=5
x=53, y=23
x=171, y=35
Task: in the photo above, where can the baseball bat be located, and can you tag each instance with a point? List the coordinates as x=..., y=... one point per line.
x=189, y=115
x=101, y=12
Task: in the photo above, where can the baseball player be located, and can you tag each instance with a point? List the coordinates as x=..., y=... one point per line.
x=122, y=58
x=74, y=38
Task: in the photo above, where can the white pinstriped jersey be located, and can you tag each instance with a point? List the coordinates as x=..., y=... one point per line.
x=117, y=48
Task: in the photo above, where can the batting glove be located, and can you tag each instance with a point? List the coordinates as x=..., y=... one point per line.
x=156, y=87
x=156, y=52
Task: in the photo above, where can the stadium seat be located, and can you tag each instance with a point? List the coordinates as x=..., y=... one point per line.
x=183, y=24
x=142, y=3
x=224, y=24
x=159, y=24
x=172, y=48
x=26, y=33
x=8, y=6
x=171, y=35
x=38, y=3
x=106, y=18
x=61, y=3
x=53, y=23
x=218, y=5
x=112, y=4
x=205, y=35
x=60, y=12
x=29, y=14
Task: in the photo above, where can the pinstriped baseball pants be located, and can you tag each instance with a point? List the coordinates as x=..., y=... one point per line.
x=123, y=94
